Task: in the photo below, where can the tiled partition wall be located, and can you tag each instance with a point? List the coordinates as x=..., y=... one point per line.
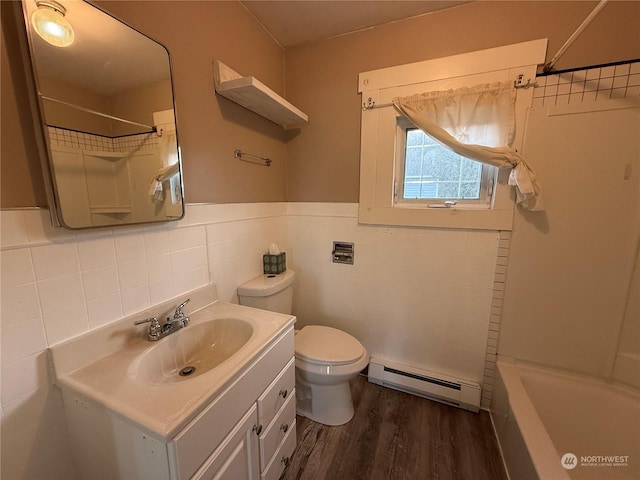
x=418, y=296
x=495, y=320
x=62, y=137
x=588, y=85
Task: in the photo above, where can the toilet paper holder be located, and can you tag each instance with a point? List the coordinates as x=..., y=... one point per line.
x=343, y=252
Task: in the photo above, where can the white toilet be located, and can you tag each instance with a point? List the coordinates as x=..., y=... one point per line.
x=326, y=358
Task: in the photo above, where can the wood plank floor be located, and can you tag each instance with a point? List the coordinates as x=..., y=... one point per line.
x=394, y=435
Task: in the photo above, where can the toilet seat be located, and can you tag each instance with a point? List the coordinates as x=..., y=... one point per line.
x=325, y=345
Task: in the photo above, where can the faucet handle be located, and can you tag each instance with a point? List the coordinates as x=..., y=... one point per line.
x=154, y=328
x=179, y=313
x=151, y=320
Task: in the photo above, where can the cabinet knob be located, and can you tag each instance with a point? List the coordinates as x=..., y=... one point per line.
x=283, y=393
x=257, y=429
x=284, y=427
x=286, y=461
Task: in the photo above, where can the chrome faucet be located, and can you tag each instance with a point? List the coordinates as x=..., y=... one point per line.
x=179, y=315
x=158, y=331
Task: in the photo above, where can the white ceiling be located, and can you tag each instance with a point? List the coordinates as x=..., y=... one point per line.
x=292, y=22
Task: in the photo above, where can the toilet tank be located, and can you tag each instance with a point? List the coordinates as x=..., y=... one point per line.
x=269, y=292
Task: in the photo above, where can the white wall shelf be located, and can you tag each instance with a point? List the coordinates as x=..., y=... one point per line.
x=252, y=94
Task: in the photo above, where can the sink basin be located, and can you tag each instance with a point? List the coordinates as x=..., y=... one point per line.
x=192, y=351
x=117, y=368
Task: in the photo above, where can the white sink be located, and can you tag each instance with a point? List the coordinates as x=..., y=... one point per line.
x=192, y=351
x=117, y=367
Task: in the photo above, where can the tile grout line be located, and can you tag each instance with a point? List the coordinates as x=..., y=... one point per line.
x=502, y=256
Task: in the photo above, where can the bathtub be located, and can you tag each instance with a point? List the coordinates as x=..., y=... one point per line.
x=555, y=426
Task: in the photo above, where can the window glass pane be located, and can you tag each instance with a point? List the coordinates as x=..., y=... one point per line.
x=470, y=170
x=435, y=172
x=470, y=189
x=447, y=190
x=414, y=137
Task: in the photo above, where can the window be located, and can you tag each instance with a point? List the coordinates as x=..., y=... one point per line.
x=429, y=174
x=383, y=147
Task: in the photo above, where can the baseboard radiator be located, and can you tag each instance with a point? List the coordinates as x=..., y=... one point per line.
x=434, y=386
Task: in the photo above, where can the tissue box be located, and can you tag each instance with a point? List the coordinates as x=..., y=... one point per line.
x=274, y=263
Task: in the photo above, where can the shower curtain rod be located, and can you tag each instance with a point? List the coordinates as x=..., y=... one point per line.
x=88, y=110
x=549, y=65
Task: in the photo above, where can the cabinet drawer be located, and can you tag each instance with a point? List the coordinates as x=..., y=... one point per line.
x=277, y=393
x=277, y=430
x=283, y=455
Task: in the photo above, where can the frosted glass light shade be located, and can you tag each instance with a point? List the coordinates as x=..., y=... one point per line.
x=48, y=21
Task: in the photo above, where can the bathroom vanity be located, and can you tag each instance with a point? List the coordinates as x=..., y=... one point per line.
x=132, y=415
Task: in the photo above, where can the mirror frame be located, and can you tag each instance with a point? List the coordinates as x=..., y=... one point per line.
x=41, y=128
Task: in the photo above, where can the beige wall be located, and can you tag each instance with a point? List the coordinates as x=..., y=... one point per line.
x=62, y=116
x=138, y=105
x=322, y=77
x=319, y=162
x=20, y=170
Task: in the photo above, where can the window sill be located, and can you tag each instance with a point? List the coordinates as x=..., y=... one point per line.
x=473, y=219
x=440, y=206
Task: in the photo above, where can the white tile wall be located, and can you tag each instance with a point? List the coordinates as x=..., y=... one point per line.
x=418, y=296
x=415, y=296
x=57, y=284
x=495, y=318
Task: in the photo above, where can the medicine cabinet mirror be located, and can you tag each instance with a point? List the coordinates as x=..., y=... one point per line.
x=106, y=109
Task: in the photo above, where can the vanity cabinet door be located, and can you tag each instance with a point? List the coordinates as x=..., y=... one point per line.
x=237, y=456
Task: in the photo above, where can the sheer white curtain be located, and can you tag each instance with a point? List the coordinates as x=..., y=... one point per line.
x=477, y=123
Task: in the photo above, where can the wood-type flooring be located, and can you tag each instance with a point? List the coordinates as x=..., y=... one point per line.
x=394, y=435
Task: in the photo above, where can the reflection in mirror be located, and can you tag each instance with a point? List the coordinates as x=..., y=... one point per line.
x=106, y=104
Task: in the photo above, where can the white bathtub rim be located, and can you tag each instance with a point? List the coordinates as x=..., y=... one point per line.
x=546, y=460
x=612, y=384
x=511, y=369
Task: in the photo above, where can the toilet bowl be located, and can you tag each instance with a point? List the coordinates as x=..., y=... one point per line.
x=326, y=358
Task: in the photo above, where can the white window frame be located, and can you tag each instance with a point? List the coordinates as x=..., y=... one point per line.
x=379, y=126
x=487, y=178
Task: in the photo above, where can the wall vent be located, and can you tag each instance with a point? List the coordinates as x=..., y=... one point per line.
x=433, y=386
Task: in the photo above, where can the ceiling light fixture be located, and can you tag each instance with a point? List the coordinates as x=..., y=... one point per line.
x=48, y=21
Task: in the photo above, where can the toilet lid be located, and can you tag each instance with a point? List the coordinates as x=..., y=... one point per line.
x=318, y=344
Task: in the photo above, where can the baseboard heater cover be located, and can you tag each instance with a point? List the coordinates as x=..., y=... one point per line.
x=423, y=383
